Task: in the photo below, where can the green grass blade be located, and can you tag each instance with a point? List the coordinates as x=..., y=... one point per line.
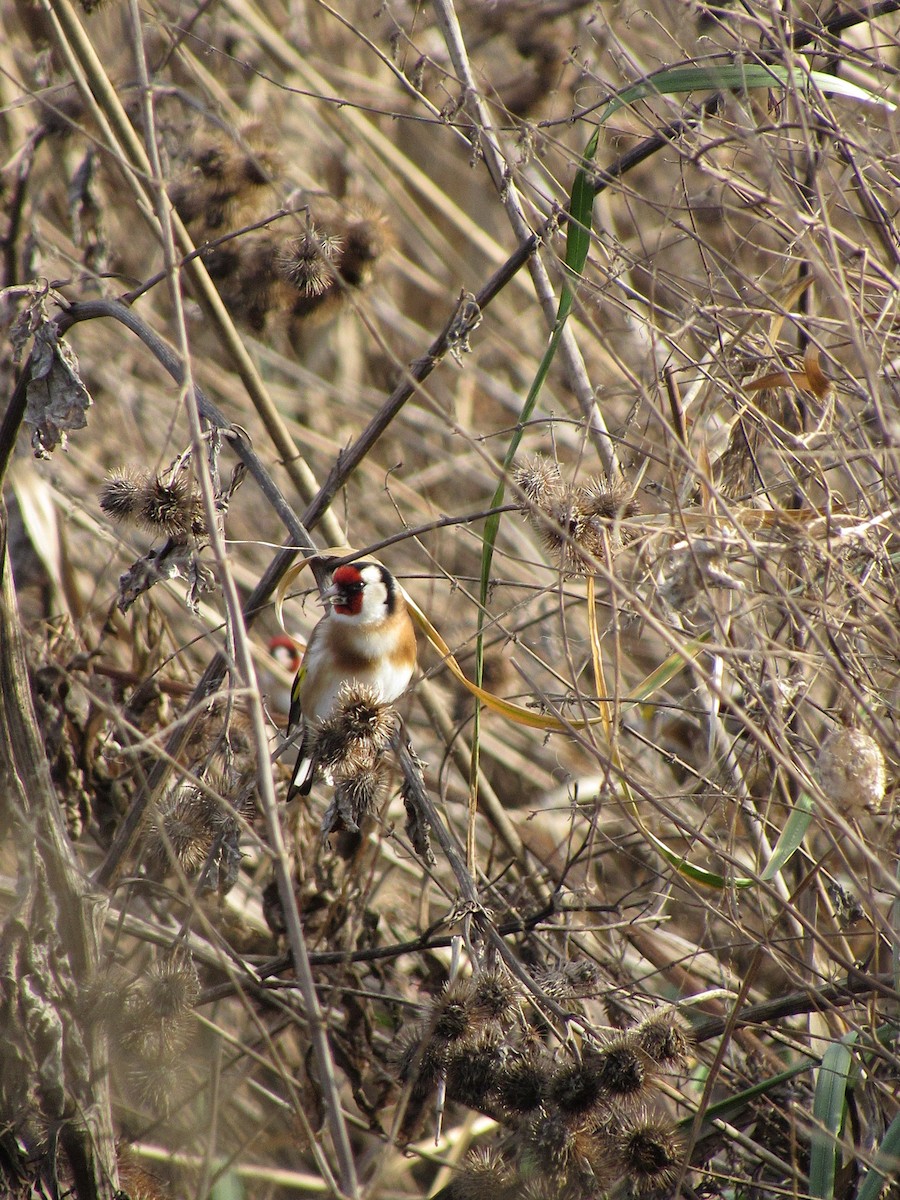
x=886, y=1165
x=735, y=77
x=828, y=1117
x=734, y=1106
x=791, y=837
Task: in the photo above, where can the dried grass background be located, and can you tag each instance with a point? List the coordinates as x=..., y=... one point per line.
x=757, y=241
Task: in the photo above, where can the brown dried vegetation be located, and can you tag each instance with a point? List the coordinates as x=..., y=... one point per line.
x=606, y=954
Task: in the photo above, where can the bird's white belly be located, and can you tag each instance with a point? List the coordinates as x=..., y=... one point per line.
x=318, y=702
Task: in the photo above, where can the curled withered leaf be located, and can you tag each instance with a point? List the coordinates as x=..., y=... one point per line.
x=57, y=400
x=174, y=560
x=811, y=379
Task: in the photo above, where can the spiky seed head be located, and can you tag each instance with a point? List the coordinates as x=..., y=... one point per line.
x=548, y=1142
x=620, y=1070
x=308, y=262
x=576, y=1088
x=359, y=788
x=422, y=1060
x=650, y=1149
x=472, y=1070
x=571, y=981
x=365, y=237
x=191, y=821
x=171, y=986
x=496, y=995
x=568, y=531
x=596, y=1164
x=120, y=495
x=166, y=505
x=606, y=507
x=354, y=738
x=663, y=1038
x=160, y=1082
x=105, y=998
x=453, y=1016
x=522, y=1084
x=484, y=1176
x=539, y=479
x=851, y=770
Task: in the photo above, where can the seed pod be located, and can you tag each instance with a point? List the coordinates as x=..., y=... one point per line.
x=620, y=1070
x=577, y=1088
x=522, y=1084
x=472, y=1070
x=651, y=1150
x=539, y=478
x=851, y=771
x=662, y=1037
x=120, y=495
x=484, y=1176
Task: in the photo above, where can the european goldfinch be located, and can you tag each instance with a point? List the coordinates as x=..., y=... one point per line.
x=288, y=655
x=367, y=637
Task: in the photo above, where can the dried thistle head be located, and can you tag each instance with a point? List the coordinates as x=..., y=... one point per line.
x=453, y=1016
x=354, y=738
x=570, y=981
x=608, y=506
x=359, y=788
x=577, y=1088
x=650, y=1149
x=365, y=236
x=578, y=523
x=485, y=1175
x=496, y=995
x=159, y=1083
x=309, y=263
x=247, y=275
x=473, y=1067
x=663, y=1038
x=620, y=1070
x=539, y=478
x=338, y=255
x=422, y=1061
x=851, y=771
x=171, y=986
x=120, y=495
x=522, y=1084
x=189, y=823
x=170, y=505
x=548, y=1143
x=226, y=180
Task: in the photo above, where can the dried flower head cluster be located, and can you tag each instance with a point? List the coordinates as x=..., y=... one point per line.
x=579, y=523
x=196, y=832
x=274, y=279
x=578, y=1123
x=167, y=504
x=350, y=746
x=148, y=1020
x=226, y=181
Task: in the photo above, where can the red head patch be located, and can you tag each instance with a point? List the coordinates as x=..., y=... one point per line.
x=348, y=584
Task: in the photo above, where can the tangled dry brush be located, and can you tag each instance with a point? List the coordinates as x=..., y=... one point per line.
x=583, y=317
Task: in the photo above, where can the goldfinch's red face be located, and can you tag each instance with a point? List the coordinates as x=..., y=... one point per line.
x=363, y=593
